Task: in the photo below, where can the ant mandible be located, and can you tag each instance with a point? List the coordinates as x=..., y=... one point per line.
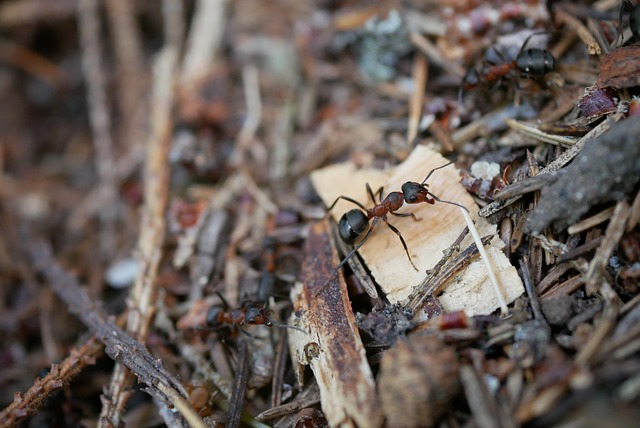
x=533, y=63
x=354, y=223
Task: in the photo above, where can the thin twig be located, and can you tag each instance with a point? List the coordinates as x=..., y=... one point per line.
x=533, y=132
x=204, y=39
x=93, y=67
x=239, y=386
x=531, y=290
x=439, y=275
x=27, y=404
x=129, y=60
x=173, y=17
x=590, y=222
x=416, y=101
x=487, y=262
x=507, y=196
x=578, y=27
x=595, y=274
x=152, y=230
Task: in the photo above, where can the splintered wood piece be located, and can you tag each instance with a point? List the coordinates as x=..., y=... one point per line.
x=620, y=68
x=418, y=379
x=332, y=346
x=439, y=226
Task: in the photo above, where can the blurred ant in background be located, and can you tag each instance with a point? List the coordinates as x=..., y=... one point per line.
x=533, y=63
x=249, y=313
x=355, y=223
x=276, y=270
x=631, y=8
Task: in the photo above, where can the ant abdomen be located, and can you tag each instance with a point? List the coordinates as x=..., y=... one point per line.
x=352, y=225
x=214, y=315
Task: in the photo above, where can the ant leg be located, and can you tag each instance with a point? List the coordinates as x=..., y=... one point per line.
x=372, y=195
x=277, y=324
x=357, y=247
x=492, y=61
x=225, y=304
x=412, y=215
x=448, y=202
x=346, y=198
x=535, y=33
x=435, y=169
x=379, y=193
x=626, y=6
x=404, y=244
x=249, y=335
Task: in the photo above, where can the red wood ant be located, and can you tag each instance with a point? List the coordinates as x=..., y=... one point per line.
x=355, y=223
x=248, y=314
x=533, y=63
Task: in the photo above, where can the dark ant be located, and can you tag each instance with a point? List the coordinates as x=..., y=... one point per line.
x=248, y=314
x=534, y=63
x=355, y=223
x=633, y=10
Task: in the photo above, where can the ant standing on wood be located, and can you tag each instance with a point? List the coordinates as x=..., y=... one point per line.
x=534, y=63
x=355, y=223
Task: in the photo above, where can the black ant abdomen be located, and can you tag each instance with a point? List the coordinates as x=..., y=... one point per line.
x=213, y=316
x=352, y=225
x=535, y=62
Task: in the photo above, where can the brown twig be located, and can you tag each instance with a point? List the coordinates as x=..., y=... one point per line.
x=531, y=290
x=151, y=237
x=101, y=124
x=513, y=193
x=121, y=347
x=595, y=276
x=279, y=370
x=416, y=101
x=239, y=386
x=434, y=283
x=129, y=61
x=60, y=375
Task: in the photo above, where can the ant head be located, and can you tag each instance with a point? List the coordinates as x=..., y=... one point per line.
x=255, y=314
x=352, y=225
x=415, y=193
x=535, y=62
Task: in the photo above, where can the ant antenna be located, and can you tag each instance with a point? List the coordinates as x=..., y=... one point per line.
x=277, y=324
x=447, y=202
x=432, y=171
